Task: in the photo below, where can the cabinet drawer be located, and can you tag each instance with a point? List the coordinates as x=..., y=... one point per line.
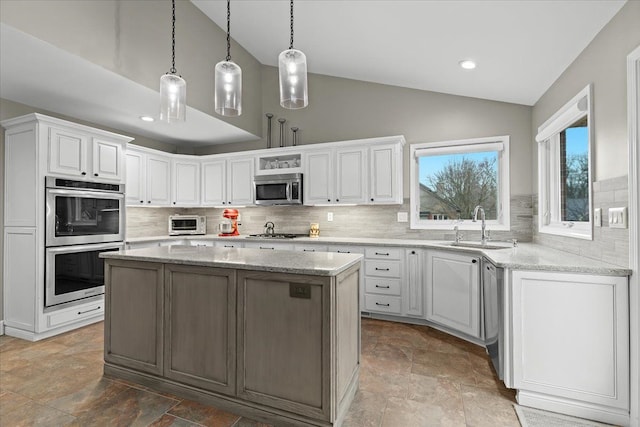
x=382, y=268
x=227, y=244
x=382, y=303
x=270, y=246
x=81, y=312
x=310, y=248
x=383, y=253
x=376, y=285
x=345, y=249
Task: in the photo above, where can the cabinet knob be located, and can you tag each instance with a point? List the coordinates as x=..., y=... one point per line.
x=474, y=261
x=174, y=203
x=224, y=203
x=95, y=174
x=413, y=252
x=328, y=200
x=337, y=200
x=83, y=173
x=372, y=199
x=141, y=201
x=148, y=201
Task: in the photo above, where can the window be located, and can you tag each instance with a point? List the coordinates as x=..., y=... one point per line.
x=564, y=170
x=449, y=179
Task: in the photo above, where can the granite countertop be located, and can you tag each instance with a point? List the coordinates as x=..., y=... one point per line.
x=309, y=263
x=525, y=256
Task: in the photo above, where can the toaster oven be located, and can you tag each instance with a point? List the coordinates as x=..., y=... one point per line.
x=187, y=224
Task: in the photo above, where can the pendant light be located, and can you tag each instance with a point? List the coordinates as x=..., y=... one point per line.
x=292, y=66
x=173, y=88
x=228, y=80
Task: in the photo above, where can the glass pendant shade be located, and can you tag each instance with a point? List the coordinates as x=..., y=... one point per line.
x=228, y=89
x=173, y=98
x=292, y=66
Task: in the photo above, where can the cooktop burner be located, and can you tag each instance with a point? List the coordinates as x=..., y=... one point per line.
x=277, y=236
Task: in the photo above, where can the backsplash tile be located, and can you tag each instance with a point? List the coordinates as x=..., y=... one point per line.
x=609, y=244
x=355, y=221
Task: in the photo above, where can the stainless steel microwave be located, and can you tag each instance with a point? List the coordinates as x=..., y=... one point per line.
x=283, y=189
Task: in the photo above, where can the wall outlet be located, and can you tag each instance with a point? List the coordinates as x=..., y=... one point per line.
x=597, y=217
x=329, y=216
x=403, y=217
x=618, y=217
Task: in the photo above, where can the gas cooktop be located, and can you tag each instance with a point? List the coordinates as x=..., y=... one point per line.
x=277, y=236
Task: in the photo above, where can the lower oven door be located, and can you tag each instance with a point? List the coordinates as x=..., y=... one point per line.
x=75, y=272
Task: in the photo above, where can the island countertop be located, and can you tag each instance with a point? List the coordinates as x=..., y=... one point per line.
x=311, y=263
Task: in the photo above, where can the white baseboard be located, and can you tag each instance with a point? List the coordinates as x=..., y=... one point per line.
x=1, y=327
x=574, y=408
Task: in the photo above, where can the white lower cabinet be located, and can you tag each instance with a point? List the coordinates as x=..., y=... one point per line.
x=269, y=245
x=413, y=295
x=383, y=268
x=453, y=291
x=571, y=343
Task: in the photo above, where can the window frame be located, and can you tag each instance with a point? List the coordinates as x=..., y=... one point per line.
x=549, y=198
x=502, y=223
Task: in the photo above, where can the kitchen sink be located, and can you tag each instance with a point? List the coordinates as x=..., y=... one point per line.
x=480, y=245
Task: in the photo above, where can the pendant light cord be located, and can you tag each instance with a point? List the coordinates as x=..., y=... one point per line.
x=228, y=30
x=291, y=40
x=173, y=38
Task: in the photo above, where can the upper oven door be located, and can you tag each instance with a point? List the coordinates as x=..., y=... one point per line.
x=83, y=216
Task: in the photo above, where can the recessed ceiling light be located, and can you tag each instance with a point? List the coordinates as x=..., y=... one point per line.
x=147, y=119
x=467, y=64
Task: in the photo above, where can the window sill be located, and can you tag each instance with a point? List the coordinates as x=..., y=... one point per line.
x=464, y=226
x=583, y=233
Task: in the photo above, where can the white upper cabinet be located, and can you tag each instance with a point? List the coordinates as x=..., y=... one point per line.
x=148, y=178
x=79, y=154
x=186, y=182
x=354, y=172
x=385, y=174
x=227, y=182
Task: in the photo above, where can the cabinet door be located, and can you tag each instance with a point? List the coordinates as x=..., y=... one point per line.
x=570, y=336
x=385, y=186
x=413, y=283
x=136, y=183
x=186, y=182
x=68, y=152
x=453, y=298
x=108, y=160
x=158, y=180
x=133, y=317
x=351, y=177
x=214, y=183
x=318, y=178
x=200, y=337
x=240, y=181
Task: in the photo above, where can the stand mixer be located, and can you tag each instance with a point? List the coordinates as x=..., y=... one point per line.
x=230, y=226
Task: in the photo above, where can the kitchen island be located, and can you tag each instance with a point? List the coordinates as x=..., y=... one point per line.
x=274, y=336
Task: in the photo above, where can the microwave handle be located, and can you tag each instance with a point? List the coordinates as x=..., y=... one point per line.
x=288, y=191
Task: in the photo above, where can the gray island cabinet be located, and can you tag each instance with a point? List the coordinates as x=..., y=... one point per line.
x=272, y=336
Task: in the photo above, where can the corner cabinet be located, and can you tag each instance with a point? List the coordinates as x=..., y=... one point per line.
x=453, y=291
x=148, y=178
x=185, y=182
x=571, y=343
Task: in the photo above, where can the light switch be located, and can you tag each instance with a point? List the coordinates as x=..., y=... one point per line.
x=329, y=216
x=618, y=217
x=597, y=217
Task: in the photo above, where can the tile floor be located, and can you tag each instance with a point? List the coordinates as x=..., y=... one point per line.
x=411, y=376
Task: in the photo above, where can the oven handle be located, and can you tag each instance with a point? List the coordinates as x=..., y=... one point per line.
x=87, y=194
x=86, y=247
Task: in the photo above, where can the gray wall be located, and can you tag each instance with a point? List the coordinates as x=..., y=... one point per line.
x=602, y=63
x=133, y=38
x=342, y=109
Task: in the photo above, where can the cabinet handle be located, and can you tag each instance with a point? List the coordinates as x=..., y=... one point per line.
x=382, y=269
x=95, y=174
x=308, y=250
x=83, y=173
x=380, y=253
x=474, y=261
x=174, y=203
x=89, y=311
x=344, y=252
x=382, y=305
x=265, y=247
x=383, y=287
x=228, y=246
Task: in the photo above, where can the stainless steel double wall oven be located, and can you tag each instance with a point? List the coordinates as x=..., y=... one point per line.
x=83, y=219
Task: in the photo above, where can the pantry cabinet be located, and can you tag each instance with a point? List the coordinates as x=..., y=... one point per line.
x=453, y=291
x=76, y=152
x=227, y=182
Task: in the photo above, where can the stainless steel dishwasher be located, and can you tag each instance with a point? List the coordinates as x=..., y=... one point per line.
x=493, y=297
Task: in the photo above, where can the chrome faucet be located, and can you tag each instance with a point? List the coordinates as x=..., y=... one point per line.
x=483, y=235
x=269, y=228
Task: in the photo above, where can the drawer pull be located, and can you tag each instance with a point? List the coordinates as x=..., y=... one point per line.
x=382, y=305
x=382, y=253
x=344, y=252
x=383, y=287
x=265, y=247
x=89, y=311
x=228, y=246
x=382, y=269
x=308, y=250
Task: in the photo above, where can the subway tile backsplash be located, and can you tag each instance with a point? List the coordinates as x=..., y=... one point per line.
x=378, y=221
x=609, y=244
